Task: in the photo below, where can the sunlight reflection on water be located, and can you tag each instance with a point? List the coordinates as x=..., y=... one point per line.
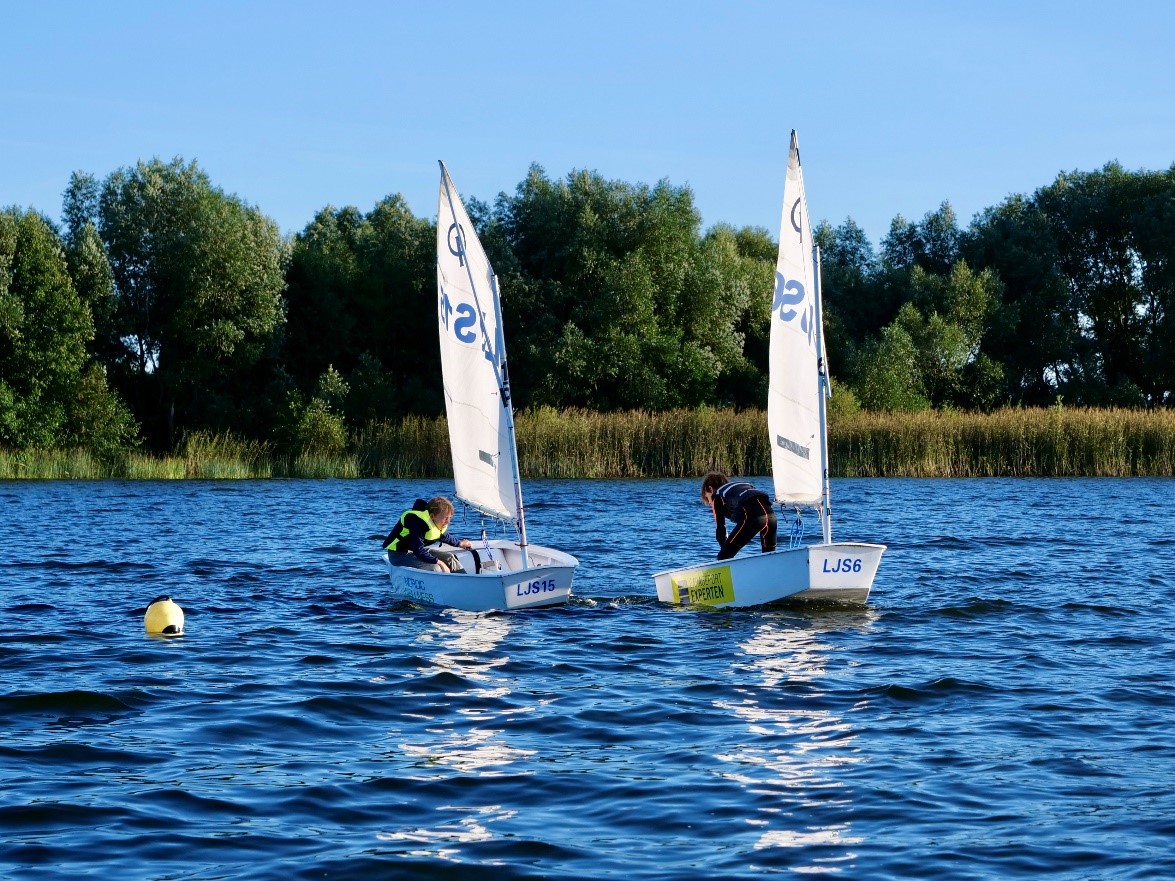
x=794, y=776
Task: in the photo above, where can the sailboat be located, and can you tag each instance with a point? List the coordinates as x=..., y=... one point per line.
x=797, y=424
x=500, y=573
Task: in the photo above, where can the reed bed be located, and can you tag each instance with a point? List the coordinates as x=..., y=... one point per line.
x=1007, y=443
x=49, y=464
x=639, y=443
x=415, y=446
x=1055, y=442
x=224, y=456
x=142, y=466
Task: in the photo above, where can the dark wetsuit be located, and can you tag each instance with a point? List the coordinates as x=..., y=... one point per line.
x=751, y=512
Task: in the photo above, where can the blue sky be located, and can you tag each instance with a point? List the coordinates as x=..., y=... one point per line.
x=294, y=106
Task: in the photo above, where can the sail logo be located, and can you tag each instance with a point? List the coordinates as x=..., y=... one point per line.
x=789, y=444
x=465, y=318
x=790, y=294
x=456, y=239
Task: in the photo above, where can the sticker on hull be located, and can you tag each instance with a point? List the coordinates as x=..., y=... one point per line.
x=710, y=587
x=412, y=589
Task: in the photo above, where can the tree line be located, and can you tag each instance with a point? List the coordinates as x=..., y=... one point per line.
x=162, y=306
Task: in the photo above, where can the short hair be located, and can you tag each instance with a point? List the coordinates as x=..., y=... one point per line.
x=439, y=507
x=712, y=481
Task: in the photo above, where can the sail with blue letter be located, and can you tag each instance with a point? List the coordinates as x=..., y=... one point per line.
x=473, y=364
x=793, y=397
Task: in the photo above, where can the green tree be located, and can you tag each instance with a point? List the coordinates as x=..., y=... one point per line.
x=616, y=295
x=315, y=425
x=857, y=304
x=50, y=395
x=90, y=269
x=1035, y=330
x=932, y=244
x=888, y=375
x=398, y=299
x=1113, y=233
x=361, y=296
x=947, y=318
x=728, y=312
x=746, y=386
x=198, y=277
x=324, y=272
x=930, y=355
x=1087, y=266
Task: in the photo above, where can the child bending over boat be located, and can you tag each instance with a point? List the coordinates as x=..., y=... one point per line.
x=412, y=541
x=748, y=508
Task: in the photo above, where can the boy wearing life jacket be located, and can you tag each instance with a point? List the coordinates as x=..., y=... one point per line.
x=748, y=508
x=422, y=525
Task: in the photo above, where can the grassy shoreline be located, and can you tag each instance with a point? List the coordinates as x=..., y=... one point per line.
x=1057, y=442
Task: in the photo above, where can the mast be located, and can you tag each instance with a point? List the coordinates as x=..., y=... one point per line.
x=824, y=388
x=504, y=386
x=498, y=362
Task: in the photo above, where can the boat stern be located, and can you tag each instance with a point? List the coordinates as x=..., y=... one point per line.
x=545, y=586
x=547, y=582
x=841, y=572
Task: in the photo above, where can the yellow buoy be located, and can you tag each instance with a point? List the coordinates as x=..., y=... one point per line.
x=164, y=616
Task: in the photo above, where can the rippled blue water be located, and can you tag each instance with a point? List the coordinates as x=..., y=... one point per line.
x=1002, y=709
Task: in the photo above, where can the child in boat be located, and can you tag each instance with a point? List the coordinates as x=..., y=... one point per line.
x=413, y=539
x=748, y=508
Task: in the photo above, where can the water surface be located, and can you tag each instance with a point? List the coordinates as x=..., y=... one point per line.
x=1002, y=709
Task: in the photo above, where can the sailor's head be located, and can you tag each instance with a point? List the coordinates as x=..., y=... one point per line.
x=440, y=511
x=711, y=482
x=164, y=617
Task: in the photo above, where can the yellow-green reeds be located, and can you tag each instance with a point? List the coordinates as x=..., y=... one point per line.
x=639, y=443
x=415, y=446
x=38, y=464
x=678, y=443
x=224, y=456
x=1013, y=442
x=1052, y=442
x=141, y=466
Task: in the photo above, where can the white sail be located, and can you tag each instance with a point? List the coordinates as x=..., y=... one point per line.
x=793, y=402
x=473, y=363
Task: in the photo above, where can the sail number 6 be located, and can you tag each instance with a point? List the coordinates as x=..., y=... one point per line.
x=844, y=564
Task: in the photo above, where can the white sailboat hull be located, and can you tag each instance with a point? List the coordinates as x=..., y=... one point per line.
x=841, y=572
x=546, y=582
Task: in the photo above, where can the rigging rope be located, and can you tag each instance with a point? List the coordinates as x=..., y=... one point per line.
x=485, y=540
x=797, y=531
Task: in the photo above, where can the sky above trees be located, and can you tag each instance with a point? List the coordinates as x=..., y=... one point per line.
x=294, y=106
